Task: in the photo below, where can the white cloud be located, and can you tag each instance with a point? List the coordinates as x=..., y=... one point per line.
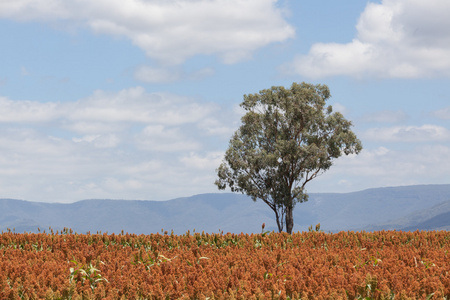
x=160, y=138
x=16, y=142
x=378, y=167
x=442, y=113
x=115, y=185
x=213, y=126
x=67, y=151
x=103, y=109
x=27, y=111
x=395, y=39
x=87, y=138
x=170, y=31
x=128, y=144
x=99, y=140
x=424, y=133
x=210, y=161
x=91, y=127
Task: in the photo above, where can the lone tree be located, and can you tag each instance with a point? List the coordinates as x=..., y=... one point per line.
x=287, y=138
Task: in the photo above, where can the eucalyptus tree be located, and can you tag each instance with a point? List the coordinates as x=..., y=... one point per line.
x=287, y=138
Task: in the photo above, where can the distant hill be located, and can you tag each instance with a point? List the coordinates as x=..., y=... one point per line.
x=434, y=218
x=364, y=210
x=423, y=207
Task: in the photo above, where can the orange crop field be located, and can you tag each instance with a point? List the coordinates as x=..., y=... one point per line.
x=307, y=265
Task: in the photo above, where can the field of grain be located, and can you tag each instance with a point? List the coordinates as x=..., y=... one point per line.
x=307, y=265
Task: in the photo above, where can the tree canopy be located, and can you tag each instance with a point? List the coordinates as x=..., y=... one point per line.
x=287, y=138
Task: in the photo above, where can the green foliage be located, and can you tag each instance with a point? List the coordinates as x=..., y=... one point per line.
x=367, y=291
x=287, y=138
x=148, y=261
x=84, y=272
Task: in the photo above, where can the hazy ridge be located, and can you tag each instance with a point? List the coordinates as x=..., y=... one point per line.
x=418, y=207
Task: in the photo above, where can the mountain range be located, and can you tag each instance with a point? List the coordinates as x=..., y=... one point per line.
x=408, y=208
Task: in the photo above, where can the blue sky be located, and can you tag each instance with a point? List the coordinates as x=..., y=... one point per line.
x=129, y=99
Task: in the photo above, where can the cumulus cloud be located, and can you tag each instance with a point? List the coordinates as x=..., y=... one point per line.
x=27, y=111
x=209, y=161
x=126, y=144
x=424, y=133
x=387, y=164
x=99, y=140
x=103, y=108
x=169, y=31
x=381, y=166
x=395, y=39
x=160, y=138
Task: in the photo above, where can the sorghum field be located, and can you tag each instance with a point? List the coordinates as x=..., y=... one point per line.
x=308, y=265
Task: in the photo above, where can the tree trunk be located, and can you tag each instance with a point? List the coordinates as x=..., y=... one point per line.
x=279, y=221
x=289, y=219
